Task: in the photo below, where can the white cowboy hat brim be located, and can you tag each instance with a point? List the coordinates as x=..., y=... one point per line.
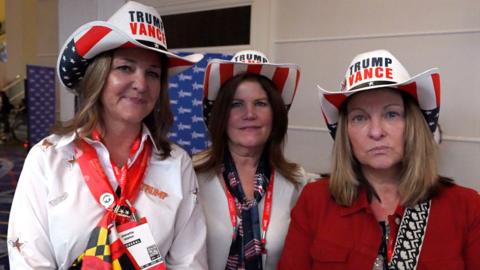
x=96, y=37
x=423, y=87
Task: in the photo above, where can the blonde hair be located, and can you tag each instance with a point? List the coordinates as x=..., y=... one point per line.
x=89, y=115
x=419, y=174
x=89, y=90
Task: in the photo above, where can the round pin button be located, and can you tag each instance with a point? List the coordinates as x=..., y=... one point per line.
x=107, y=199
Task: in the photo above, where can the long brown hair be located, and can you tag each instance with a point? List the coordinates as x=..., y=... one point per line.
x=89, y=116
x=213, y=157
x=419, y=174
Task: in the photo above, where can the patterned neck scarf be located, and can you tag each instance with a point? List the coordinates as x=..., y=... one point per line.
x=104, y=249
x=246, y=249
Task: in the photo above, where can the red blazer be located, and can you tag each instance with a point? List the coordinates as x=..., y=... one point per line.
x=324, y=235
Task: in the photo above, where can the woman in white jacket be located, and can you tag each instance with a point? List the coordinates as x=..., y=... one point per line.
x=108, y=190
x=247, y=187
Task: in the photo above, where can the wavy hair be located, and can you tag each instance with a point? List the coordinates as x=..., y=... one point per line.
x=89, y=115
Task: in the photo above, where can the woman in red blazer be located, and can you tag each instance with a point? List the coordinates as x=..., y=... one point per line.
x=384, y=205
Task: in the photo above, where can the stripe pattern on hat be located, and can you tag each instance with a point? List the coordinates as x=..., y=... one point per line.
x=97, y=37
x=285, y=77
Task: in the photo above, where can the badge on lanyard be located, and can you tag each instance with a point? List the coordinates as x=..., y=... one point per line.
x=138, y=239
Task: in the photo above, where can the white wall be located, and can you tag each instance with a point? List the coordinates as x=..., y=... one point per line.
x=323, y=37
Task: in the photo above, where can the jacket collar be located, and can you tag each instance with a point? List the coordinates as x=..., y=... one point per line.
x=68, y=139
x=360, y=204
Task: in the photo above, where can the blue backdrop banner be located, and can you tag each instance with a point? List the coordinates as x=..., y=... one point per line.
x=186, y=95
x=40, y=100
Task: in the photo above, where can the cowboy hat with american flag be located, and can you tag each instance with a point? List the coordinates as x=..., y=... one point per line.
x=380, y=69
x=133, y=25
x=284, y=76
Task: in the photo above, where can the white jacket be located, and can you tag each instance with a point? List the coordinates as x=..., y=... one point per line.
x=53, y=210
x=219, y=227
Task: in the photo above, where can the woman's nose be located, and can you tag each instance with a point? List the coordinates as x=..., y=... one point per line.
x=250, y=112
x=376, y=130
x=139, y=81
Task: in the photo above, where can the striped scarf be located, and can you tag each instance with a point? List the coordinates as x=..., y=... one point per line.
x=246, y=249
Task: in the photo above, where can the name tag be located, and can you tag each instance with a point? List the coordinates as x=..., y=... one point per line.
x=138, y=239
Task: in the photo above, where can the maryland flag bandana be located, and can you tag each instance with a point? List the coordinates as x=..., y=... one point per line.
x=100, y=254
x=104, y=250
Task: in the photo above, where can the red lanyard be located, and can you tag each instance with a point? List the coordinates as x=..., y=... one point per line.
x=267, y=209
x=392, y=233
x=390, y=244
x=121, y=173
x=98, y=182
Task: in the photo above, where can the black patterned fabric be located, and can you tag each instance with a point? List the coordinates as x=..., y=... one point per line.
x=246, y=249
x=410, y=237
x=72, y=66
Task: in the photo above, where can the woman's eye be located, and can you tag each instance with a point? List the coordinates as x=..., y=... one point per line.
x=124, y=68
x=154, y=74
x=261, y=103
x=358, y=118
x=236, y=104
x=392, y=114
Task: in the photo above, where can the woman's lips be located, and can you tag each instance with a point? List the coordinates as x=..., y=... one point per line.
x=379, y=149
x=135, y=100
x=249, y=127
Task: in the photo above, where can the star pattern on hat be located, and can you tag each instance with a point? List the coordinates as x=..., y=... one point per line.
x=424, y=88
x=72, y=65
x=152, y=44
x=431, y=116
x=207, y=110
x=332, y=128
